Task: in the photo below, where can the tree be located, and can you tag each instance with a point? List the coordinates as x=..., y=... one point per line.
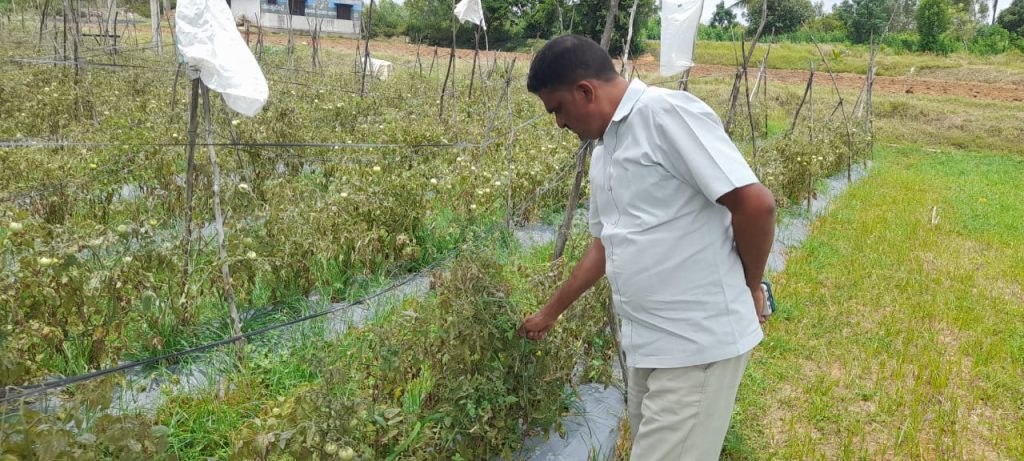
x=723, y=17
x=932, y=22
x=653, y=27
x=865, y=19
x=389, y=18
x=830, y=24
x=431, y=21
x=1012, y=18
x=819, y=9
x=976, y=10
x=540, y=19
x=783, y=15
x=962, y=25
x=590, y=19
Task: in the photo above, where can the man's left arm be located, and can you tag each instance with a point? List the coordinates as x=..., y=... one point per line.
x=753, y=225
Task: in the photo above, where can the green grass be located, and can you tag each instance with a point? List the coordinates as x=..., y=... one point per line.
x=1004, y=68
x=898, y=338
x=933, y=122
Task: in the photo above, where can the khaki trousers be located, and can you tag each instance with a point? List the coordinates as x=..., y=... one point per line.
x=682, y=413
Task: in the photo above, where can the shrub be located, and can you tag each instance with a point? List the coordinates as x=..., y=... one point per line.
x=445, y=377
x=790, y=165
x=991, y=40
x=900, y=42
x=718, y=34
x=95, y=433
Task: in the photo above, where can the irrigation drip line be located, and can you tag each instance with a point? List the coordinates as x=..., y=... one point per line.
x=24, y=194
x=81, y=63
x=23, y=392
x=415, y=148
x=677, y=80
x=556, y=177
x=91, y=52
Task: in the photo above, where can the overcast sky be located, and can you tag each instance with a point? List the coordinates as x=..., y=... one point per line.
x=709, y=7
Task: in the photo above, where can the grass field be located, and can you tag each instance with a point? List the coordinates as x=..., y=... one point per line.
x=1004, y=68
x=898, y=338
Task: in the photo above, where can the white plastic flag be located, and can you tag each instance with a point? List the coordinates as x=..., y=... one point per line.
x=679, y=22
x=209, y=41
x=472, y=11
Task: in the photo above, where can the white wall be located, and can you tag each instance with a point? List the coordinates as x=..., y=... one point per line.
x=305, y=23
x=247, y=9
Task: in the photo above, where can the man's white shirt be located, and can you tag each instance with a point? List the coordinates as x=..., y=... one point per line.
x=677, y=280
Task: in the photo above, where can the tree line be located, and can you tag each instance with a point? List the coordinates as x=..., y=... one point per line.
x=940, y=26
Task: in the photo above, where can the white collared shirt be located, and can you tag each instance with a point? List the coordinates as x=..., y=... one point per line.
x=677, y=280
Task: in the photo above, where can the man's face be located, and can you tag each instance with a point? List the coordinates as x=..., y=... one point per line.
x=573, y=109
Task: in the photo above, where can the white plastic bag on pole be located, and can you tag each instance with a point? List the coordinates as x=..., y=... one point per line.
x=472, y=11
x=679, y=22
x=210, y=43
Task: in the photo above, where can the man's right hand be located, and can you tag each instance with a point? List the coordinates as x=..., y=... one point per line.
x=588, y=270
x=760, y=300
x=536, y=326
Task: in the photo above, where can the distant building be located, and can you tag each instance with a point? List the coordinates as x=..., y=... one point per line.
x=335, y=16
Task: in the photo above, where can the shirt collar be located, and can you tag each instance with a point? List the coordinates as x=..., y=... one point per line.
x=633, y=92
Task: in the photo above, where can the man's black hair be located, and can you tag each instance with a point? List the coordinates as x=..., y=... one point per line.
x=567, y=60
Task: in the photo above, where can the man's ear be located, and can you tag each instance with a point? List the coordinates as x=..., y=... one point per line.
x=586, y=90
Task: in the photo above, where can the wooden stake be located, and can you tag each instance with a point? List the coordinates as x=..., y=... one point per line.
x=574, y=197
x=186, y=266
x=225, y=269
x=476, y=54
x=154, y=19
x=810, y=82
x=743, y=69
x=846, y=120
x=432, y=61
x=419, y=64
x=868, y=126
x=750, y=115
x=366, y=53
x=449, y=74
x=810, y=107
